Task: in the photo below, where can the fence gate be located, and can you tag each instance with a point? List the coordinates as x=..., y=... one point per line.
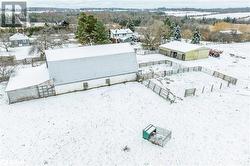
x=46, y=91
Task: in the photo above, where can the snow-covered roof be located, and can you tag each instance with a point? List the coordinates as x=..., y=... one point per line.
x=19, y=36
x=181, y=46
x=120, y=31
x=88, y=51
x=27, y=77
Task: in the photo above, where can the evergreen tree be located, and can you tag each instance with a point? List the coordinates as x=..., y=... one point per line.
x=90, y=30
x=172, y=29
x=167, y=21
x=177, y=33
x=81, y=32
x=131, y=25
x=100, y=34
x=196, y=37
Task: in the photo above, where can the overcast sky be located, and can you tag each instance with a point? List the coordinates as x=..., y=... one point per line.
x=140, y=3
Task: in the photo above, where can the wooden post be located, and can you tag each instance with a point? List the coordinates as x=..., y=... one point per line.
x=228, y=84
x=148, y=83
x=194, y=92
x=154, y=88
x=203, y=89
x=220, y=85
x=212, y=88
x=160, y=91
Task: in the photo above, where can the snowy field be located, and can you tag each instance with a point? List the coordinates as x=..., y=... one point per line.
x=222, y=16
x=178, y=83
x=92, y=127
x=186, y=13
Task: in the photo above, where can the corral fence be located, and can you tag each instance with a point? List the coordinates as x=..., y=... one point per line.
x=164, y=93
x=205, y=89
x=144, y=76
x=146, y=64
x=33, y=61
x=190, y=92
x=224, y=77
x=167, y=62
x=141, y=77
x=146, y=52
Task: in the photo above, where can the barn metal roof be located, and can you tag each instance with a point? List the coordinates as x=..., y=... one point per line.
x=88, y=51
x=181, y=46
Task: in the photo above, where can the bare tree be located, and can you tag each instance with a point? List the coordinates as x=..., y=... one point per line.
x=7, y=67
x=154, y=35
x=4, y=41
x=45, y=41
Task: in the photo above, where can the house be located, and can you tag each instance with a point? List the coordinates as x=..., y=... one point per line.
x=184, y=51
x=19, y=39
x=29, y=83
x=63, y=23
x=121, y=35
x=74, y=69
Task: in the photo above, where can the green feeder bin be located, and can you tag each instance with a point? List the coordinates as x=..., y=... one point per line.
x=148, y=131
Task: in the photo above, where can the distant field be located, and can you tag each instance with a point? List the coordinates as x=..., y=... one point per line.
x=186, y=13
x=245, y=28
x=222, y=16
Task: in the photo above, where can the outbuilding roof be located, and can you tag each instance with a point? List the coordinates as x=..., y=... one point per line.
x=27, y=77
x=88, y=51
x=181, y=46
x=120, y=31
x=19, y=36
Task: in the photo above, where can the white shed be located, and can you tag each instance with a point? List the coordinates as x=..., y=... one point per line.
x=81, y=68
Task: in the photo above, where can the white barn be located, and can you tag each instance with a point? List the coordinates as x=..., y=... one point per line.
x=74, y=69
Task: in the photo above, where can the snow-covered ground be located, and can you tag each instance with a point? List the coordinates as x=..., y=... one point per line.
x=23, y=52
x=186, y=13
x=178, y=83
x=92, y=127
x=237, y=66
x=222, y=16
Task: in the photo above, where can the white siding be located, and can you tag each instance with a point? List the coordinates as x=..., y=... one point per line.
x=89, y=68
x=23, y=94
x=78, y=86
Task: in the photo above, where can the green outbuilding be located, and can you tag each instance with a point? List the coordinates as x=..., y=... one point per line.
x=184, y=51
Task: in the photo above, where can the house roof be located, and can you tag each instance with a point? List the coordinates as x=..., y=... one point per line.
x=120, y=31
x=27, y=77
x=88, y=51
x=181, y=46
x=19, y=36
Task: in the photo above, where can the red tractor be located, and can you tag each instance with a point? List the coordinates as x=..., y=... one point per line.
x=215, y=53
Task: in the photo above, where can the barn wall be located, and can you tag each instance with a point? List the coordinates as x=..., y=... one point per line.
x=75, y=70
x=197, y=54
x=23, y=94
x=167, y=52
x=78, y=86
